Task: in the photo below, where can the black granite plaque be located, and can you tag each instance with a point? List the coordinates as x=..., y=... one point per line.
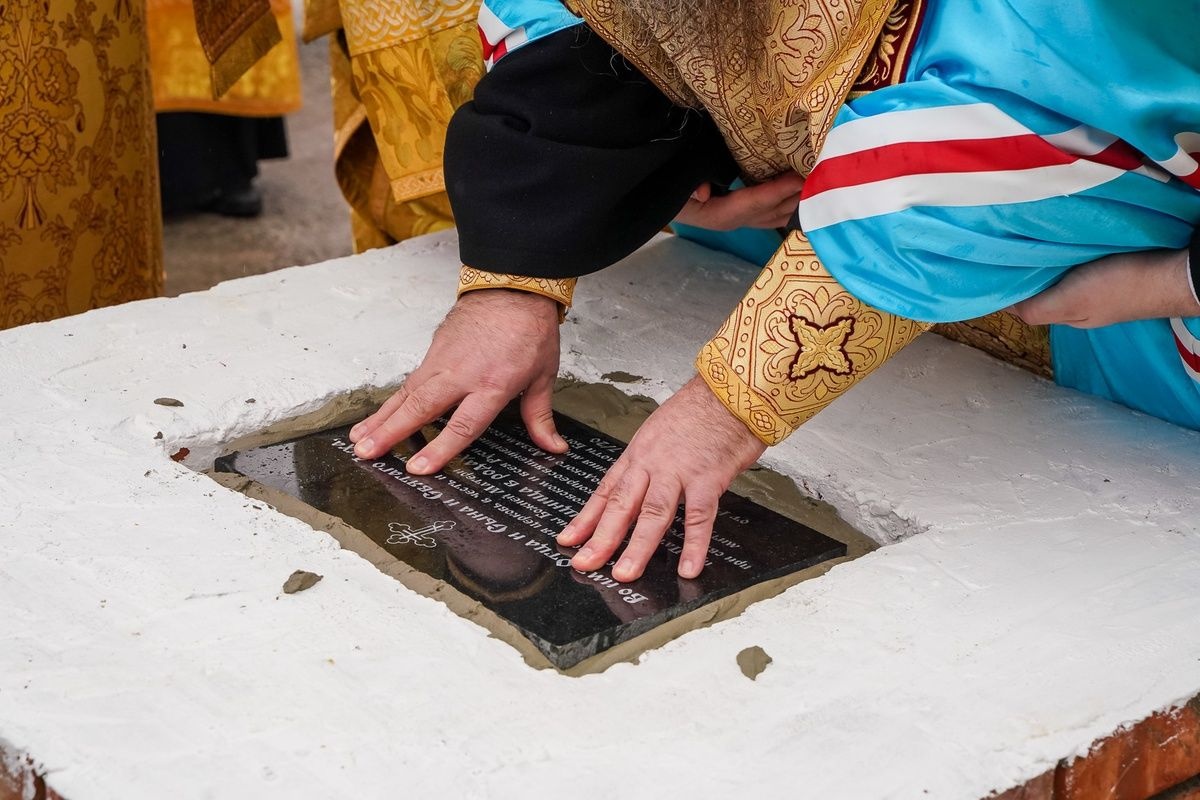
x=486, y=525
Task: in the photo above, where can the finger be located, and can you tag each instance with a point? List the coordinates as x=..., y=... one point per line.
x=1041, y=309
x=388, y=408
x=700, y=513
x=654, y=518
x=773, y=192
x=778, y=217
x=691, y=213
x=782, y=214
x=538, y=414
x=580, y=528
x=734, y=210
x=753, y=206
x=423, y=404
x=702, y=193
x=465, y=425
x=619, y=513
x=1026, y=310
x=785, y=208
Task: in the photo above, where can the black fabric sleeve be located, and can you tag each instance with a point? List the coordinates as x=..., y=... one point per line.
x=568, y=159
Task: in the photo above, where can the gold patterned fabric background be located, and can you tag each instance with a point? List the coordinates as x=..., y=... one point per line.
x=79, y=206
x=182, y=75
x=400, y=68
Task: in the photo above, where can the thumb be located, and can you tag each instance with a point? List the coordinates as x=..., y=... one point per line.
x=1041, y=309
x=538, y=415
x=703, y=193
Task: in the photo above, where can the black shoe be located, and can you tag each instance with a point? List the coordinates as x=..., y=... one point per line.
x=245, y=201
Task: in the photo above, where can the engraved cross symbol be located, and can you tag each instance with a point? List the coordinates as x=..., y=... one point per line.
x=822, y=347
x=421, y=537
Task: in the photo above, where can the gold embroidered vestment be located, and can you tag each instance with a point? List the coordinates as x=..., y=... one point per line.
x=79, y=206
x=400, y=68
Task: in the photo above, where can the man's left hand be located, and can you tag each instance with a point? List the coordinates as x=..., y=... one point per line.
x=770, y=204
x=690, y=448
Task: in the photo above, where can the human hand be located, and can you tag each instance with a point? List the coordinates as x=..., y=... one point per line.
x=493, y=345
x=1119, y=288
x=690, y=447
x=764, y=205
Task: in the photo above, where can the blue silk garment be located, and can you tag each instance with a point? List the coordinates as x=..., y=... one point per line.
x=506, y=25
x=1027, y=137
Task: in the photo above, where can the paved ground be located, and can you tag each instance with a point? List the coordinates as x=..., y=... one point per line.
x=305, y=220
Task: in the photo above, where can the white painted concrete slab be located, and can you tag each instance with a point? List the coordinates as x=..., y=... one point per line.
x=1051, y=592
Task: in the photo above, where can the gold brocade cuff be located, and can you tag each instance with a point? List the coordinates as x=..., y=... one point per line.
x=560, y=290
x=795, y=343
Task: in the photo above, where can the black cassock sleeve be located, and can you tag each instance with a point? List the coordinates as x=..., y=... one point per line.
x=568, y=159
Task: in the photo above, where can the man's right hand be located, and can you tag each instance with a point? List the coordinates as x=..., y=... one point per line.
x=494, y=344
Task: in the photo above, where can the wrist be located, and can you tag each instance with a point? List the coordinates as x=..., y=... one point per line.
x=514, y=295
x=718, y=417
x=514, y=302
